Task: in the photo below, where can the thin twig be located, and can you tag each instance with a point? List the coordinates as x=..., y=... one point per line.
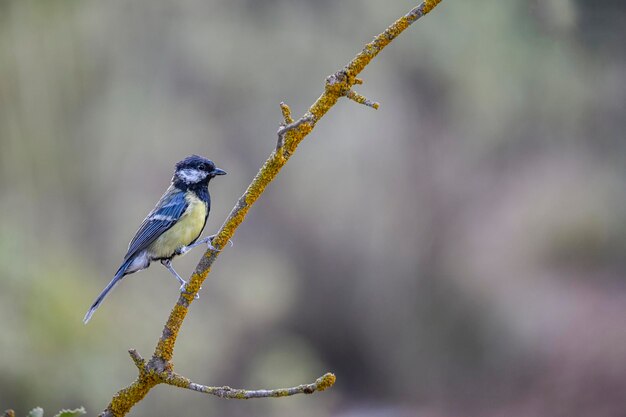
x=354, y=96
x=283, y=129
x=140, y=363
x=286, y=111
x=322, y=383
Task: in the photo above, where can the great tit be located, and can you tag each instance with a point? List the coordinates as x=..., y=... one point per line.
x=173, y=226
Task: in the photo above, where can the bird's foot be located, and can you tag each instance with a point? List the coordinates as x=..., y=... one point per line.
x=183, y=284
x=183, y=289
x=209, y=241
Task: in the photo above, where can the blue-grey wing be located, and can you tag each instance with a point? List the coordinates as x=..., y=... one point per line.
x=165, y=214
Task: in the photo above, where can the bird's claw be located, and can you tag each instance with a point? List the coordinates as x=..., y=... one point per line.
x=183, y=289
x=213, y=248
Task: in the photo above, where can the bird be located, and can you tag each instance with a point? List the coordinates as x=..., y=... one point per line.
x=173, y=226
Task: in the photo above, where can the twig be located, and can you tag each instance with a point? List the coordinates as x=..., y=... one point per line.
x=354, y=96
x=140, y=363
x=156, y=371
x=286, y=113
x=159, y=368
x=283, y=129
x=322, y=383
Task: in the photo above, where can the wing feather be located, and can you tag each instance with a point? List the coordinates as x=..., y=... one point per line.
x=165, y=214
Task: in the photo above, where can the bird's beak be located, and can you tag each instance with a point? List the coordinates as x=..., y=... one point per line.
x=218, y=171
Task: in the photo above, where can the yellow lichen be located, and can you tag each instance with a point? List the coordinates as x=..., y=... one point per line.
x=325, y=382
x=429, y=5
x=282, y=393
x=286, y=113
x=124, y=400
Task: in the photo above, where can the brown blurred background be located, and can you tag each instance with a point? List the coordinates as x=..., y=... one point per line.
x=458, y=252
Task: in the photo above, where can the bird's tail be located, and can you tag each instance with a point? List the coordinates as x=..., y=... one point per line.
x=116, y=279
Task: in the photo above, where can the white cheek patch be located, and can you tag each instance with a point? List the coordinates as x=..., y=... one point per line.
x=191, y=176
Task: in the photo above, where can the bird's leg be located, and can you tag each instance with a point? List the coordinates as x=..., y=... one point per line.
x=183, y=284
x=202, y=241
x=168, y=264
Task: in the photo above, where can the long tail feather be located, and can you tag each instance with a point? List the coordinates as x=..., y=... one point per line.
x=116, y=279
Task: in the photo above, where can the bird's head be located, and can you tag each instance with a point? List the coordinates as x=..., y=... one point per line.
x=196, y=170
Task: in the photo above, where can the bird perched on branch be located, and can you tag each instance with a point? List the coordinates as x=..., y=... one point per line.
x=173, y=226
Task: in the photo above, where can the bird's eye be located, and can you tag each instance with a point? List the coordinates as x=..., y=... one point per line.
x=202, y=167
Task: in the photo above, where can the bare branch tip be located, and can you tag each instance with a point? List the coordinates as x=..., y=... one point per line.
x=354, y=96
x=286, y=112
x=326, y=381
x=136, y=357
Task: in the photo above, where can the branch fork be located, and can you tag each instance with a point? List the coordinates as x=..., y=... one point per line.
x=290, y=125
x=161, y=372
x=342, y=82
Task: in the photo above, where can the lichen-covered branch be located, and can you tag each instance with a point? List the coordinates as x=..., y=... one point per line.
x=156, y=372
x=322, y=383
x=159, y=368
x=354, y=96
x=289, y=125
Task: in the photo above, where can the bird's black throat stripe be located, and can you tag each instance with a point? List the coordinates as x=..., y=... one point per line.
x=200, y=189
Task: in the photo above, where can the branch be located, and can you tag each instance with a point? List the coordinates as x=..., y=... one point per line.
x=159, y=368
x=322, y=383
x=291, y=125
x=354, y=96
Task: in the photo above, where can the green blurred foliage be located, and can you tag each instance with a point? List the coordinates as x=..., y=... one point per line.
x=457, y=252
x=38, y=412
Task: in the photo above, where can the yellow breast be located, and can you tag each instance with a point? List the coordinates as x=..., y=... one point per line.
x=185, y=231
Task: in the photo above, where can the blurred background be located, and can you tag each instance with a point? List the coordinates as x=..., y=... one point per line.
x=458, y=252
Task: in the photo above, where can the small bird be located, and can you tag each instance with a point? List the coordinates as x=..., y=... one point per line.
x=173, y=226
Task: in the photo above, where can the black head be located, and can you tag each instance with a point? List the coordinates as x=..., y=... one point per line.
x=196, y=170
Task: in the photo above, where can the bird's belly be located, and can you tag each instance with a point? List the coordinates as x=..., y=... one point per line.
x=185, y=231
